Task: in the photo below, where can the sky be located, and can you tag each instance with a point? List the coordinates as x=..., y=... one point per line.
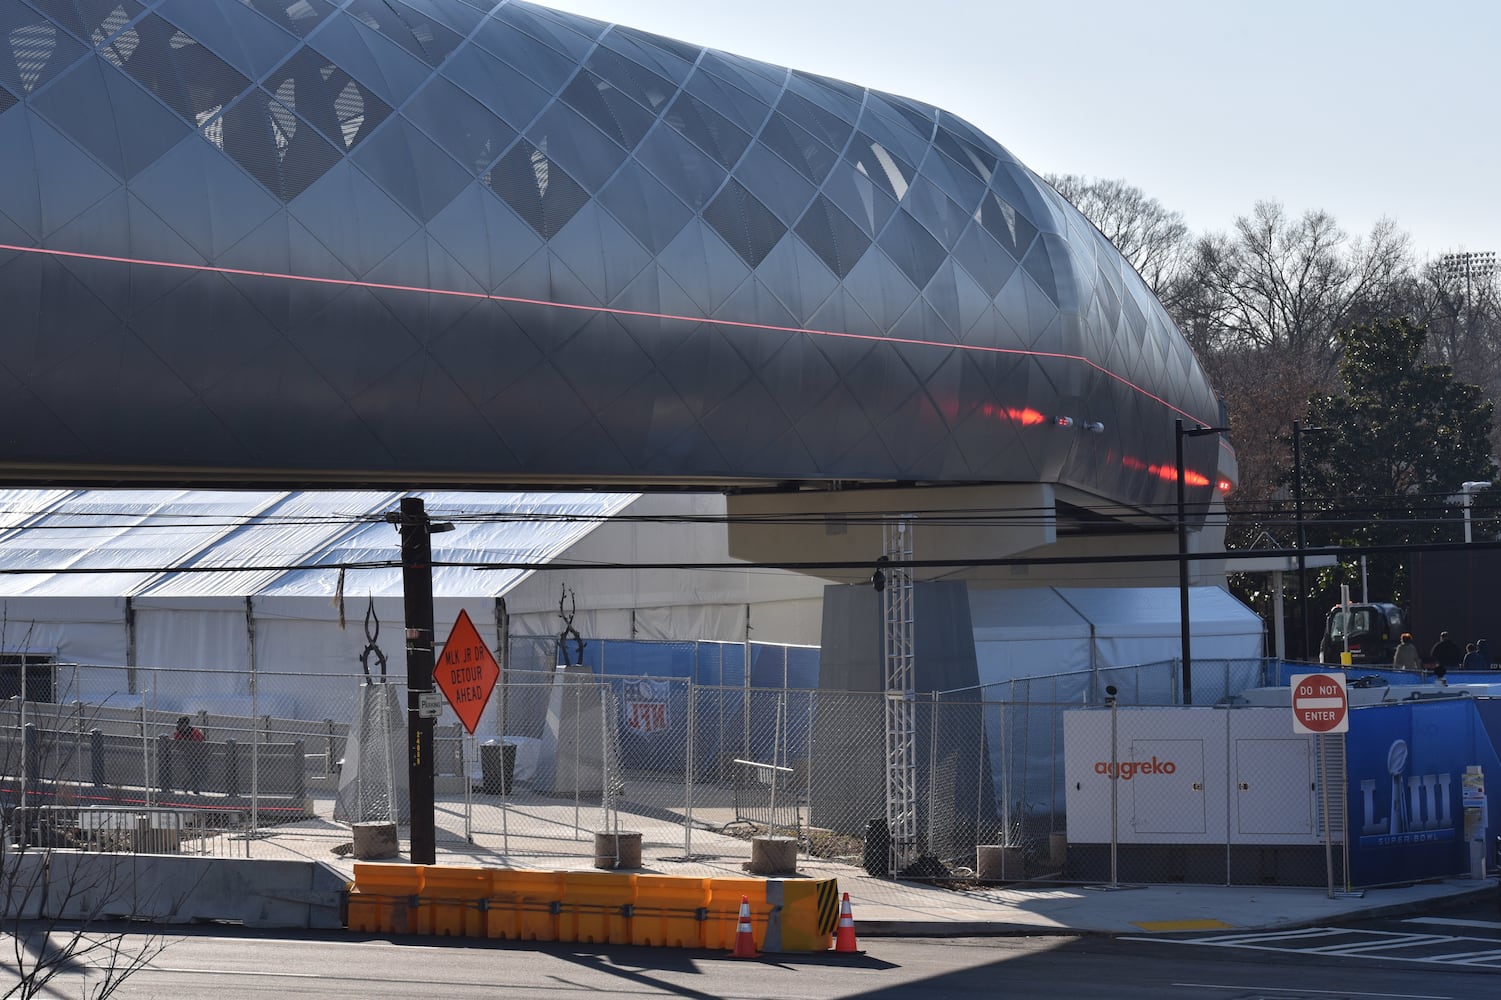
x=1365, y=109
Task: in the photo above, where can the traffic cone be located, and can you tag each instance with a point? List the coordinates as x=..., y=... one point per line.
x=844, y=941
x=745, y=942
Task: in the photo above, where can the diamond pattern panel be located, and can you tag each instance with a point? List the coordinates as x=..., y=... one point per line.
x=586, y=153
x=269, y=140
x=110, y=116
x=33, y=49
x=391, y=70
x=234, y=31
x=344, y=110
x=708, y=129
x=299, y=17
x=170, y=63
x=831, y=234
x=539, y=191
x=746, y=224
x=91, y=20
x=422, y=36
x=354, y=218
x=412, y=168
x=204, y=197
x=645, y=206
x=608, y=110
x=698, y=264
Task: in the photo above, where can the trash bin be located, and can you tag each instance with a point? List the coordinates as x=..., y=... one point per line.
x=497, y=764
x=877, y=856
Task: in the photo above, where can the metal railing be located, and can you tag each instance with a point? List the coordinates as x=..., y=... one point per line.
x=117, y=830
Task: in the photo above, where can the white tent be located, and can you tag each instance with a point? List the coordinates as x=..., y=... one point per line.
x=220, y=583
x=1038, y=631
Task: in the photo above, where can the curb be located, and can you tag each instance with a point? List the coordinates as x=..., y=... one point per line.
x=1476, y=895
x=993, y=928
x=968, y=928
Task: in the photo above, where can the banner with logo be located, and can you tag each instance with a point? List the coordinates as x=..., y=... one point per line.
x=1406, y=765
x=644, y=705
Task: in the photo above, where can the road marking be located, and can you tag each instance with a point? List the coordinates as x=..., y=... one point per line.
x=1184, y=925
x=1494, y=925
x=236, y=972
x=1395, y=940
x=1334, y=993
x=1474, y=952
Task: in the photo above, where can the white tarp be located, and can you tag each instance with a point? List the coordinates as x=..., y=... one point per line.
x=209, y=582
x=1034, y=632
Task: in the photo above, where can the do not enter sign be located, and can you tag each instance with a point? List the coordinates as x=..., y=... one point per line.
x=1320, y=704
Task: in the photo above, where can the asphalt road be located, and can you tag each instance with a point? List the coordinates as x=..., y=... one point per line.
x=1455, y=954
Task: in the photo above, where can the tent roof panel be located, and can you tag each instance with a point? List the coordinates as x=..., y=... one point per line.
x=1066, y=612
x=1154, y=610
x=219, y=543
x=1032, y=612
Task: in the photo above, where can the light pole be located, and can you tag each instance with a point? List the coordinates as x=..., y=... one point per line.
x=1182, y=433
x=1298, y=431
x=1469, y=490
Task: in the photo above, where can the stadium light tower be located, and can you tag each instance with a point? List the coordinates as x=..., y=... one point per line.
x=1468, y=265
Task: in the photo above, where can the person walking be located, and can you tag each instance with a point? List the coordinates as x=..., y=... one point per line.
x=1446, y=652
x=1407, y=656
x=191, y=754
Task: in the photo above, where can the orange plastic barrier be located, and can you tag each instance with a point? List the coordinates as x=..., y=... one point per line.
x=524, y=905
x=593, y=907
x=453, y=900
x=671, y=911
x=723, y=916
x=597, y=907
x=384, y=897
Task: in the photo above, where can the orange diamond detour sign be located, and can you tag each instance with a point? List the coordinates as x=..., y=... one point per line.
x=466, y=672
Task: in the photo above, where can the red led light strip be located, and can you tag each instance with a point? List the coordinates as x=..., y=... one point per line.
x=1024, y=416
x=385, y=286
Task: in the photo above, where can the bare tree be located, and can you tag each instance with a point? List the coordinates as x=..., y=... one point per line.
x=1153, y=239
x=1458, y=300
x=1266, y=391
x=55, y=899
x=55, y=905
x=1292, y=285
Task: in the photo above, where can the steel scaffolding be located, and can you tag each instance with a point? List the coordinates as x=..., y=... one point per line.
x=897, y=664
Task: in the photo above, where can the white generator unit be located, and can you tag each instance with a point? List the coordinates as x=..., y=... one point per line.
x=1188, y=794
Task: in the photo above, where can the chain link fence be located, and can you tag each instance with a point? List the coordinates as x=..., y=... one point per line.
x=1032, y=779
x=118, y=758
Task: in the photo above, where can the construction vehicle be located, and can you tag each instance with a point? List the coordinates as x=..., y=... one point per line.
x=1454, y=591
x=1369, y=632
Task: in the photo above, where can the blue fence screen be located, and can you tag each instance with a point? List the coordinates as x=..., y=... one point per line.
x=651, y=681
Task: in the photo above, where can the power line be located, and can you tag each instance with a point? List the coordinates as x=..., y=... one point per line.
x=1229, y=555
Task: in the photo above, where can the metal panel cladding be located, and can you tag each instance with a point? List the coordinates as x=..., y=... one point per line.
x=461, y=241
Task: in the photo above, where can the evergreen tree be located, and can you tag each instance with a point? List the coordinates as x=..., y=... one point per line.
x=1394, y=448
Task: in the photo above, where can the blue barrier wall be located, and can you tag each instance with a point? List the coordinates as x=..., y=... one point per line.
x=1405, y=763
x=1280, y=670
x=650, y=681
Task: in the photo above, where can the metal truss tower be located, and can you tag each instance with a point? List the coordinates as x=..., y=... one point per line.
x=897, y=663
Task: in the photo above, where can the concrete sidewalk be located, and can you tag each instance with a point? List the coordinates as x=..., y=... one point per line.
x=534, y=835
